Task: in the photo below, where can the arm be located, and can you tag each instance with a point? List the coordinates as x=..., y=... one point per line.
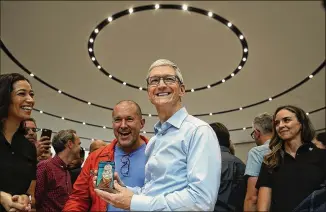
x=41, y=183
x=251, y=195
x=31, y=191
x=204, y=171
x=264, y=199
x=80, y=199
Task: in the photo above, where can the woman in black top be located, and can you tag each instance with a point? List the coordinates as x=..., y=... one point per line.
x=17, y=154
x=295, y=167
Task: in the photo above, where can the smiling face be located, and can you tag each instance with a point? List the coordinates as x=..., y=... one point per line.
x=22, y=101
x=166, y=93
x=127, y=124
x=287, y=125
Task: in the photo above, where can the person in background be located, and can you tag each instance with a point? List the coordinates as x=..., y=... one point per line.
x=53, y=185
x=75, y=166
x=96, y=144
x=127, y=151
x=17, y=154
x=262, y=133
x=43, y=145
x=295, y=167
x=184, y=160
x=320, y=140
x=233, y=187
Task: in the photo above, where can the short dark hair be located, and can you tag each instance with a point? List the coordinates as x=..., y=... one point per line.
x=60, y=140
x=322, y=137
x=222, y=134
x=22, y=124
x=139, y=113
x=6, y=87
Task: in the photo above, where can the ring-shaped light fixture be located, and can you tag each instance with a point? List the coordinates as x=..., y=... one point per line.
x=130, y=11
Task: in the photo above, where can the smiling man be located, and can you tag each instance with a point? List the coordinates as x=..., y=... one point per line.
x=127, y=151
x=183, y=169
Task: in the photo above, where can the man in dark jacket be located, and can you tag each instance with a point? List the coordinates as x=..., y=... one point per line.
x=76, y=165
x=232, y=189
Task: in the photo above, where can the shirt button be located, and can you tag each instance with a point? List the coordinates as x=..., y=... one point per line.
x=13, y=153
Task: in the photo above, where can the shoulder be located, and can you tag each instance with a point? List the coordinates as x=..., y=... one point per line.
x=259, y=150
x=193, y=125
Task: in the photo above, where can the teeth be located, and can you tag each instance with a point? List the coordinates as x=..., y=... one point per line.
x=26, y=108
x=163, y=94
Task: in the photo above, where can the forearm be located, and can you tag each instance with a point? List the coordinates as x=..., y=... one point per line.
x=250, y=204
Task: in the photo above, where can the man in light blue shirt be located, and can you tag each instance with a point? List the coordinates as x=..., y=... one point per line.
x=262, y=133
x=183, y=169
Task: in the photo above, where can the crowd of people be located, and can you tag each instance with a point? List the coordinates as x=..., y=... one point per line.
x=188, y=165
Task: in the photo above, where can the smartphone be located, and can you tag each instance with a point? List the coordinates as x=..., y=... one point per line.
x=46, y=132
x=105, y=175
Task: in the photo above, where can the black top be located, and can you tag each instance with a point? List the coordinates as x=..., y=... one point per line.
x=232, y=189
x=295, y=178
x=17, y=164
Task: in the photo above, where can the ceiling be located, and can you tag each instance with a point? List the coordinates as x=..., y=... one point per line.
x=286, y=44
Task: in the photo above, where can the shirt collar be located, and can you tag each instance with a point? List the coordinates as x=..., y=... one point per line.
x=225, y=149
x=59, y=162
x=175, y=120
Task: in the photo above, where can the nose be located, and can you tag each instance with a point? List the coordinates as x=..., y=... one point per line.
x=30, y=99
x=123, y=123
x=161, y=83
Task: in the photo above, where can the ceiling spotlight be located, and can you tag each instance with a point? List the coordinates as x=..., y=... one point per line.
x=31, y=74
x=140, y=88
x=104, y=127
x=157, y=6
x=110, y=76
x=96, y=30
x=110, y=19
x=229, y=24
x=232, y=74
x=93, y=58
x=89, y=103
x=84, y=123
x=150, y=115
x=270, y=99
x=131, y=10
x=244, y=59
x=310, y=76
x=90, y=49
x=239, y=67
x=210, y=14
x=92, y=139
x=91, y=40
x=307, y=114
x=223, y=80
x=59, y=91
x=240, y=108
x=184, y=7
x=244, y=128
x=210, y=114
x=245, y=50
x=192, y=90
x=144, y=132
x=124, y=83
x=99, y=67
x=241, y=37
x=62, y=118
x=208, y=86
x=41, y=111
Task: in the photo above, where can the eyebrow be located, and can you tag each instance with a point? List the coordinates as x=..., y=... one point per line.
x=23, y=89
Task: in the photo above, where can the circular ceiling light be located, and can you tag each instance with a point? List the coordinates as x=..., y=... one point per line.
x=182, y=8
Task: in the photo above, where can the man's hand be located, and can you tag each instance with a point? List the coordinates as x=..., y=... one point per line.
x=122, y=199
x=43, y=145
x=22, y=200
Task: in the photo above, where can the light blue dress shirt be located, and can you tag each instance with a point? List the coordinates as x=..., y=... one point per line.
x=256, y=158
x=183, y=168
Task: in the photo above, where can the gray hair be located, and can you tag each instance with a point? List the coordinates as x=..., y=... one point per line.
x=60, y=140
x=165, y=62
x=264, y=123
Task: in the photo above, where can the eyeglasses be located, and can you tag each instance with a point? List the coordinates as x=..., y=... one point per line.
x=27, y=129
x=252, y=134
x=168, y=80
x=125, y=167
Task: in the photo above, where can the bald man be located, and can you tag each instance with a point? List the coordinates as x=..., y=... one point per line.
x=96, y=145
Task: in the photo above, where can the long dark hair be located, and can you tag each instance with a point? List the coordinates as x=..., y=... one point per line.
x=273, y=159
x=6, y=87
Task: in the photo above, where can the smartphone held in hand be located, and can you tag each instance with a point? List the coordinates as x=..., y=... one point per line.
x=46, y=132
x=105, y=175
